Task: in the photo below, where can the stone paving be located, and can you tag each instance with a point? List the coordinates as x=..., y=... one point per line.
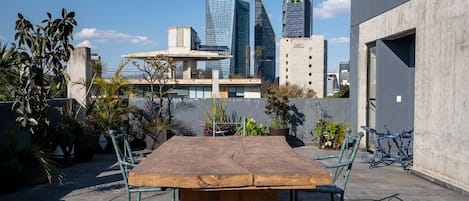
x=101, y=180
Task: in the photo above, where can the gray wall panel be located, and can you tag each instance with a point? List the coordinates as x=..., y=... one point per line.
x=395, y=75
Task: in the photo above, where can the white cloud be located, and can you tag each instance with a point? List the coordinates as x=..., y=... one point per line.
x=2, y=37
x=332, y=8
x=111, y=35
x=338, y=40
x=86, y=43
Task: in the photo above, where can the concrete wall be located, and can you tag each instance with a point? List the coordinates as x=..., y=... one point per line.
x=302, y=62
x=441, y=98
x=190, y=112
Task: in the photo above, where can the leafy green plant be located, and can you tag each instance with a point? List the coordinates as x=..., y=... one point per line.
x=330, y=133
x=278, y=108
x=43, y=50
x=14, y=158
x=251, y=128
x=110, y=109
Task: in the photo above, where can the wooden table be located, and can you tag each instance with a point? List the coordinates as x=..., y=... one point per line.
x=228, y=168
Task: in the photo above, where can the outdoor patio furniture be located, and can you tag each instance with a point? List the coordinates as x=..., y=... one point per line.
x=126, y=161
x=342, y=169
x=391, y=148
x=231, y=168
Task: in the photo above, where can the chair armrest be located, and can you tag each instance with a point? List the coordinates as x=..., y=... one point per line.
x=128, y=164
x=326, y=157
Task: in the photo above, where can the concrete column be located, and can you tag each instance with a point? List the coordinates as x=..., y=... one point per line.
x=215, y=84
x=79, y=70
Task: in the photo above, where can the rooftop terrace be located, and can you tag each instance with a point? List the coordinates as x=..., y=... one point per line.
x=100, y=179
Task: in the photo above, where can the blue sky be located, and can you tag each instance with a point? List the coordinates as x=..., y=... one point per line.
x=116, y=27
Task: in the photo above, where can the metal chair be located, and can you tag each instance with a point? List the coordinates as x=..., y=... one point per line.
x=127, y=162
x=342, y=169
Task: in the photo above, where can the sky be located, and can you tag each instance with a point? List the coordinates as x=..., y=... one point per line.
x=116, y=27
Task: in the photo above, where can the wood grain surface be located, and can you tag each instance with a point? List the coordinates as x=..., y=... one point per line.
x=228, y=163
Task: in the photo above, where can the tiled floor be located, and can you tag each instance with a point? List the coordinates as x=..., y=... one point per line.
x=100, y=180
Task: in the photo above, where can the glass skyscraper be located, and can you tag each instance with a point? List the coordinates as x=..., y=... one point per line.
x=264, y=44
x=297, y=18
x=227, y=24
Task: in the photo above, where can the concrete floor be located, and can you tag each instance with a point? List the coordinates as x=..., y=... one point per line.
x=101, y=180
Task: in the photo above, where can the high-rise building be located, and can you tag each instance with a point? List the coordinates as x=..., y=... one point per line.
x=264, y=44
x=344, y=73
x=297, y=21
x=303, y=62
x=227, y=24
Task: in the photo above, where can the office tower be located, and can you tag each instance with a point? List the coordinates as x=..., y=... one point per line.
x=297, y=21
x=264, y=44
x=227, y=24
x=303, y=62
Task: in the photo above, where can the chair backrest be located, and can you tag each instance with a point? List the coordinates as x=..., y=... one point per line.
x=344, y=164
x=123, y=153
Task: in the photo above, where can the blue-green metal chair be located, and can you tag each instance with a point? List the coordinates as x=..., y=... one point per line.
x=342, y=168
x=126, y=161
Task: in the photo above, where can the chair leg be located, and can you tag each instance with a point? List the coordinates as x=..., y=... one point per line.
x=128, y=196
x=139, y=195
x=342, y=197
x=332, y=196
x=173, y=195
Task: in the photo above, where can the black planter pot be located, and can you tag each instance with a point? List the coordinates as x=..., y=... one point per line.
x=279, y=132
x=85, y=147
x=10, y=184
x=33, y=173
x=63, y=154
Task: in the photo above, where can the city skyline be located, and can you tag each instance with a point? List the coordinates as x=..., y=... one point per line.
x=264, y=44
x=115, y=28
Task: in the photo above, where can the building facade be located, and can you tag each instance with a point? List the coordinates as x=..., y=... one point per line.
x=344, y=73
x=303, y=62
x=297, y=18
x=227, y=24
x=409, y=62
x=264, y=44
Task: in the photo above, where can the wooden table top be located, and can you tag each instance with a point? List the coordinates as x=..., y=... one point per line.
x=228, y=163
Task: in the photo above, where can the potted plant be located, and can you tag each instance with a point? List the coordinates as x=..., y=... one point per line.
x=110, y=109
x=251, y=128
x=26, y=165
x=278, y=108
x=330, y=133
x=217, y=115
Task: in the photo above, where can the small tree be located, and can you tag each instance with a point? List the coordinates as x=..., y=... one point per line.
x=278, y=107
x=157, y=120
x=42, y=50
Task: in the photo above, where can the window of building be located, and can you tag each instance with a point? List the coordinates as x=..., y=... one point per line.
x=286, y=69
x=310, y=83
x=286, y=62
x=310, y=65
x=310, y=57
x=286, y=55
x=310, y=74
x=235, y=92
x=286, y=77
